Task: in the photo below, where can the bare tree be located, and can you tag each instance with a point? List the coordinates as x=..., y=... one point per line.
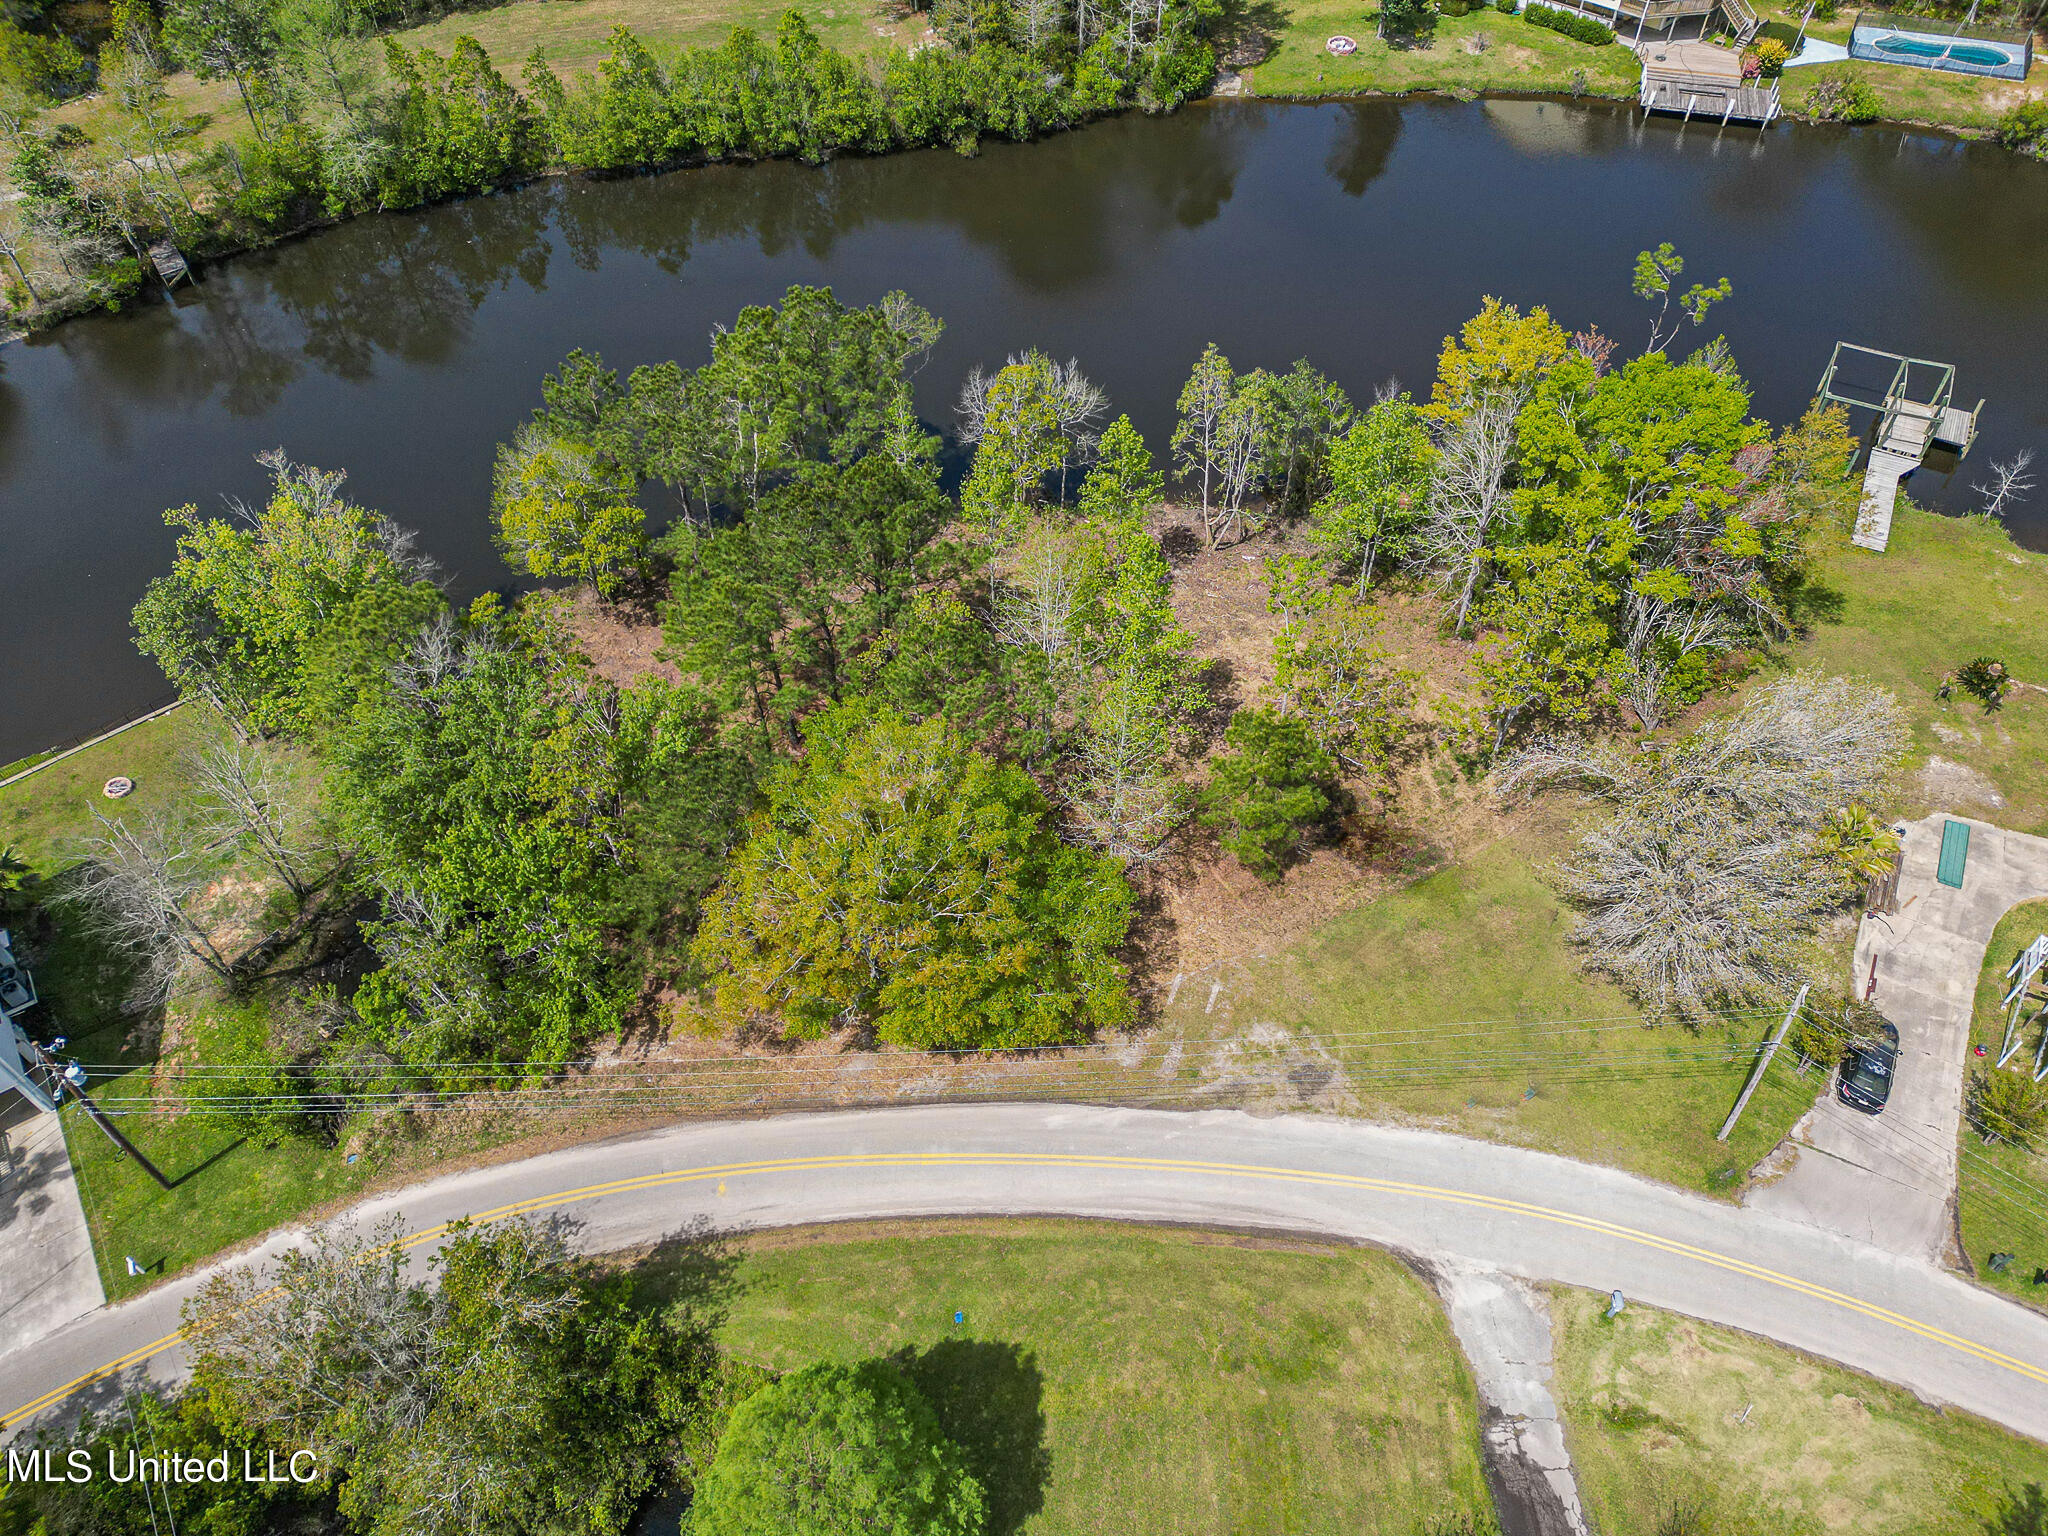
x=1076, y=402
x=1468, y=496
x=1039, y=607
x=1718, y=860
x=1656, y=635
x=1041, y=19
x=137, y=888
x=1121, y=797
x=14, y=242
x=342, y=1352
x=250, y=798
x=1240, y=437
x=1687, y=907
x=2009, y=483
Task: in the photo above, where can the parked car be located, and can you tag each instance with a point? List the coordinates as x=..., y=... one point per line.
x=1867, y=1071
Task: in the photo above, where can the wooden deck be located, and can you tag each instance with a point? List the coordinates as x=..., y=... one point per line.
x=1703, y=80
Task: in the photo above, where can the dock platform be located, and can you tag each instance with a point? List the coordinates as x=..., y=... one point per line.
x=1703, y=79
x=170, y=263
x=1915, y=417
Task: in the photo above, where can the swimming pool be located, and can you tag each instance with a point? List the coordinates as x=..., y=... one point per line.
x=1962, y=53
x=1885, y=43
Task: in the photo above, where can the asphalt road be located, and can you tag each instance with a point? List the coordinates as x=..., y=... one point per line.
x=1533, y=1215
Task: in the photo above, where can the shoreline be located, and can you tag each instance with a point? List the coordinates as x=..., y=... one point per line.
x=1249, y=94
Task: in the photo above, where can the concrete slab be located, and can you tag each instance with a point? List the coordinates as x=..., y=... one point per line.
x=1504, y=1327
x=1887, y=1179
x=47, y=1274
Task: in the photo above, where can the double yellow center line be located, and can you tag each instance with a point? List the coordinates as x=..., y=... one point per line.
x=1250, y=1171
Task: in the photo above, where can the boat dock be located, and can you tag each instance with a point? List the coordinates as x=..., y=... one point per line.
x=170, y=263
x=1703, y=79
x=1916, y=417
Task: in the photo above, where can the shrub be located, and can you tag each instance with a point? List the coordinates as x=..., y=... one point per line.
x=2008, y=1106
x=1825, y=10
x=40, y=65
x=1766, y=61
x=1274, y=786
x=1582, y=29
x=1507, y=7
x=2025, y=128
x=1842, y=99
x=1455, y=7
x=1985, y=679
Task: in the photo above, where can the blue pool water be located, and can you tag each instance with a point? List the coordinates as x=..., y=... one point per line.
x=1939, y=48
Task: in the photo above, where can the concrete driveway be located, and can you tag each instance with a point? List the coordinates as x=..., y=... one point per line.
x=1889, y=1180
x=1527, y=1214
x=47, y=1273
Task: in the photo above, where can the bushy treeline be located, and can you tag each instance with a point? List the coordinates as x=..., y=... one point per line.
x=339, y=124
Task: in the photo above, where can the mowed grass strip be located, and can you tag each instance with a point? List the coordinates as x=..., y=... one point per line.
x=1666, y=1414
x=1457, y=1001
x=2003, y=1189
x=1188, y=1382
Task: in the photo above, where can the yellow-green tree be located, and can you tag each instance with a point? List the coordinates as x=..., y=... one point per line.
x=1499, y=350
x=900, y=880
x=564, y=510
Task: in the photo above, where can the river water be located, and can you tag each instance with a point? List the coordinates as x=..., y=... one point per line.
x=402, y=348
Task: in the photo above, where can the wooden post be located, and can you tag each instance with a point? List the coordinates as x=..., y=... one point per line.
x=1756, y=1073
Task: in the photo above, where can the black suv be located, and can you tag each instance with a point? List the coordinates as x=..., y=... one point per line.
x=1866, y=1080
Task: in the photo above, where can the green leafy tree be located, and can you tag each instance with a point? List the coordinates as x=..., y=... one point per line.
x=807, y=380
x=1124, y=485
x=1200, y=436
x=1331, y=673
x=229, y=40
x=236, y=619
x=564, y=510
x=1379, y=483
x=485, y=787
x=1272, y=788
x=151, y=1422
x=1551, y=642
x=1655, y=279
x=324, y=43
x=1499, y=351
x=460, y=126
x=1301, y=414
x=900, y=880
x=831, y=1449
x=771, y=612
x=1019, y=445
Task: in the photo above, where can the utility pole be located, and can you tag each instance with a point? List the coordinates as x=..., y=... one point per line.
x=1756, y=1074
x=73, y=1078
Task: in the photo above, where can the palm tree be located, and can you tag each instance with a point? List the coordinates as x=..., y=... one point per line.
x=1857, y=842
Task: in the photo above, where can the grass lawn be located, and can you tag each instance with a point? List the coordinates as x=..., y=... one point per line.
x=2004, y=1189
x=228, y=1189
x=1121, y=1379
x=1516, y=57
x=1662, y=1412
x=1936, y=97
x=1947, y=590
x=1483, y=941
x=47, y=810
